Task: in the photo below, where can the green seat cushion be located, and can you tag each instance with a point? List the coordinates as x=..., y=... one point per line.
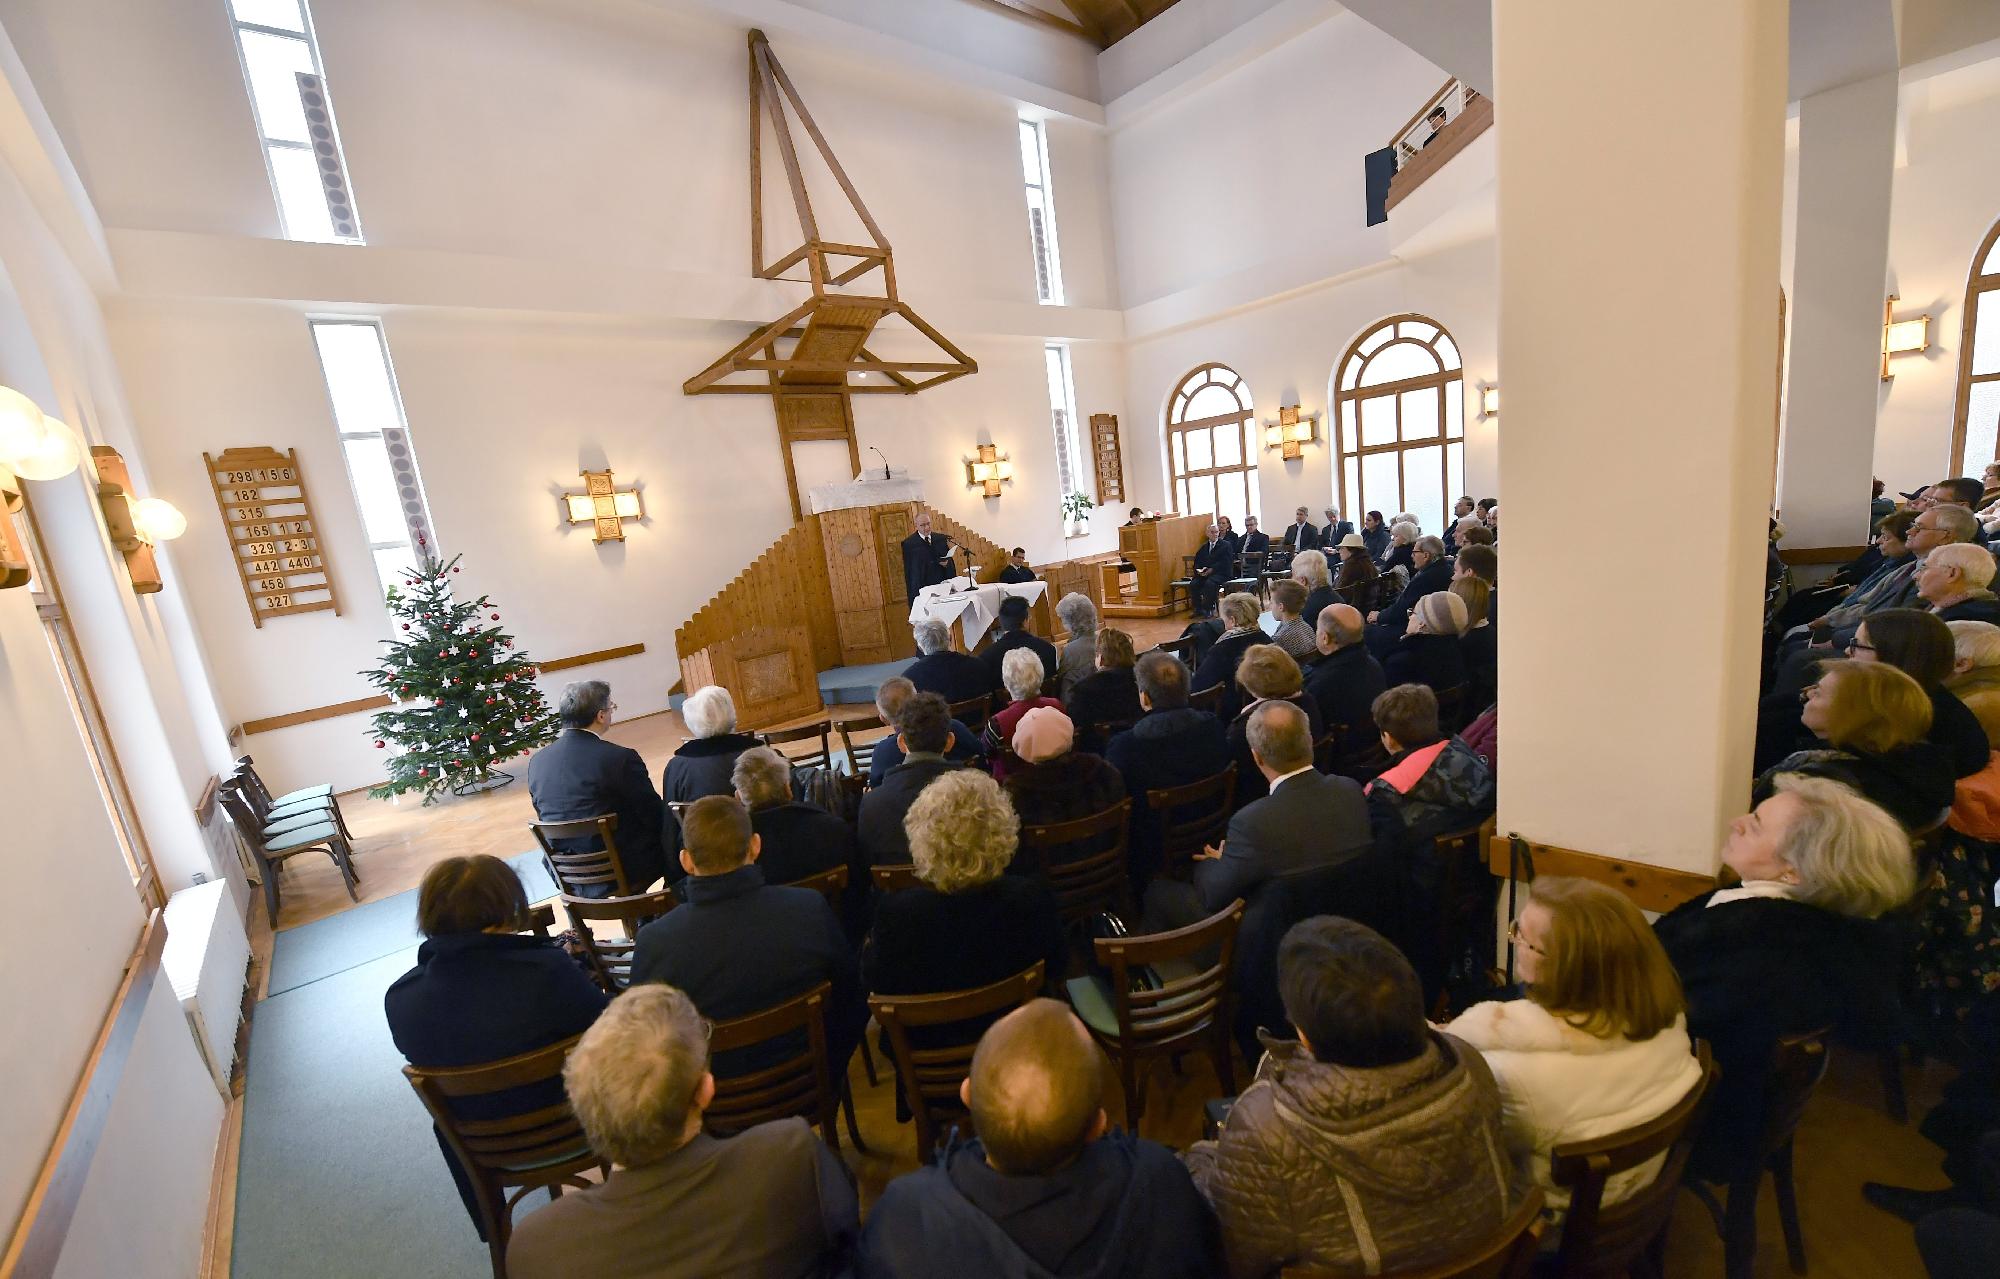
x=297, y=821
x=317, y=833
x=306, y=792
x=1091, y=998
x=323, y=804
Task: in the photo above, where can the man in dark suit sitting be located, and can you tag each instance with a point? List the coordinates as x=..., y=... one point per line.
x=740, y=945
x=1013, y=634
x=1255, y=540
x=1334, y=529
x=1173, y=744
x=890, y=698
x=1345, y=679
x=1214, y=565
x=581, y=775
x=1433, y=573
x=1301, y=535
x=1309, y=821
x=926, y=557
x=1017, y=570
x=942, y=669
x=923, y=730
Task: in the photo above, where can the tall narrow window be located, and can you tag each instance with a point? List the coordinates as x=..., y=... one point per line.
x=1062, y=408
x=1401, y=399
x=1041, y=212
x=382, y=467
x=295, y=120
x=1975, y=436
x=1211, y=444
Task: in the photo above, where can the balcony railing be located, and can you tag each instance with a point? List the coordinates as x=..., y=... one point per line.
x=1440, y=129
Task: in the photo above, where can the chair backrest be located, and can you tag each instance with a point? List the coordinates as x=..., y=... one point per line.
x=894, y=877
x=800, y=1085
x=830, y=883
x=821, y=732
x=931, y=1075
x=1797, y=1065
x=1451, y=708
x=542, y=1147
x=1363, y=764
x=861, y=755
x=1508, y=1254
x=1084, y=861
x=1252, y=564
x=612, y=957
x=1208, y=699
x=1181, y=646
x=541, y=920
x=973, y=712
x=249, y=823
x=1326, y=749
x=246, y=769
x=1192, y=816
x=1606, y=1241
x=576, y=872
x=1190, y=1005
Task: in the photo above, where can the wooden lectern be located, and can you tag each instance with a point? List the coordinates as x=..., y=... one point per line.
x=1157, y=549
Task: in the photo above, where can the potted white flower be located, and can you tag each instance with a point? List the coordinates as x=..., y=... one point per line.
x=1076, y=508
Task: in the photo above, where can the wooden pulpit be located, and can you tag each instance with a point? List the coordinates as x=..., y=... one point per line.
x=1157, y=550
x=768, y=670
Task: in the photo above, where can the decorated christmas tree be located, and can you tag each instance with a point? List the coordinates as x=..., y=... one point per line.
x=463, y=698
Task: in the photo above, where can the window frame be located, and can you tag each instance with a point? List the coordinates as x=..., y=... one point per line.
x=1069, y=454
x=1042, y=183
x=1448, y=381
x=1179, y=478
x=1977, y=284
x=342, y=436
x=265, y=142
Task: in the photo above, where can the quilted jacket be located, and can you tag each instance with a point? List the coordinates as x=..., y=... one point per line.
x=1359, y=1171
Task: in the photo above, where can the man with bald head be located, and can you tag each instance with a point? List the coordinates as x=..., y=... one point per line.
x=1046, y=1187
x=1345, y=679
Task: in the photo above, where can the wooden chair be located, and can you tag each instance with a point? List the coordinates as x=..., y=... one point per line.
x=576, y=873
x=1451, y=708
x=973, y=712
x=543, y=1149
x=293, y=815
x=1796, y=1069
x=1326, y=750
x=1194, y=1007
x=1249, y=575
x=1184, y=584
x=894, y=878
x=931, y=1075
x=246, y=768
x=1084, y=861
x=1208, y=699
x=1184, y=833
x=861, y=755
x=541, y=920
x=1509, y=1254
x=1630, y=1236
x=804, y=1085
x=611, y=958
x=1465, y=907
x=1362, y=765
x=821, y=731
x=1181, y=646
x=271, y=851
x=830, y=883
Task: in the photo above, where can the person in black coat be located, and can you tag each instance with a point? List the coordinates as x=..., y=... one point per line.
x=1173, y=744
x=1239, y=612
x=1793, y=950
x=1479, y=645
x=923, y=727
x=1108, y=695
x=581, y=775
x=1346, y=679
x=1012, y=633
x=1016, y=569
x=1334, y=529
x=1870, y=719
x=481, y=992
x=1214, y=565
x=1053, y=782
x=1429, y=652
x=702, y=765
x=795, y=840
x=927, y=557
x=1255, y=540
x=740, y=945
x=1375, y=535
x=1432, y=574
x=942, y=669
x=1300, y=534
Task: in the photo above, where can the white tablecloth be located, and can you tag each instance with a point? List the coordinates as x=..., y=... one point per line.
x=974, y=607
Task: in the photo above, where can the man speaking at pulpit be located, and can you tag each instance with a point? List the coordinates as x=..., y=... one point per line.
x=926, y=557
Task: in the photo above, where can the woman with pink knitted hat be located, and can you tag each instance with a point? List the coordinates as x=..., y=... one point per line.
x=1053, y=782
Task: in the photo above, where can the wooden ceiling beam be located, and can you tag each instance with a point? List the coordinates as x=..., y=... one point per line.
x=1022, y=9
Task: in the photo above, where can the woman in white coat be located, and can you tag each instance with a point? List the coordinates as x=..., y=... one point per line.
x=1599, y=1045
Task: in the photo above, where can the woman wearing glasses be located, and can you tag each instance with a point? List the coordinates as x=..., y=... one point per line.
x=1921, y=646
x=1599, y=1045
x=1871, y=721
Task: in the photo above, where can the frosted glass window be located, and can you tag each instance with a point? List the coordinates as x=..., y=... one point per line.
x=1423, y=486
x=392, y=563
x=1378, y=421
x=1979, y=358
x=1062, y=410
x=1422, y=419
x=1376, y=340
x=273, y=63
x=1041, y=212
x=1381, y=484
x=283, y=14
x=1230, y=498
x=1350, y=475
x=1256, y=493
x=1986, y=334
x=375, y=490
x=357, y=377
x=1454, y=468
x=275, y=43
x=1454, y=411
x=1180, y=496
x=1421, y=332
x=1199, y=456
x=1398, y=362
x=1179, y=453
x=301, y=197
x=1447, y=350
x=1982, y=424
x=1201, y=495
x=381, y=465
x=1229, y=446
x=1210, y=401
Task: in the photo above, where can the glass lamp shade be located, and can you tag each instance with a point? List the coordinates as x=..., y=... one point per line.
x=1904, y=336
x=22, y=428
x=1489, y=400
x=157, y=519
x=581, y=507
x=56, y=456
x=626, y=505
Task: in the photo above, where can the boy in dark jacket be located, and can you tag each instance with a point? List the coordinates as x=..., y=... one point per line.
x=1045, y=1190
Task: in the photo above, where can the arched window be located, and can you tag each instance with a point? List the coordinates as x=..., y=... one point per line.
x=1401, y=401
x=1975, y=434
x=1211, y=444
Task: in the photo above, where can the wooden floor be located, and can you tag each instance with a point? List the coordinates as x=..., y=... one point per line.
x=1846, y=1138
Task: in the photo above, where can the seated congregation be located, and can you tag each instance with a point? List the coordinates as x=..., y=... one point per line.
x=1261, y=845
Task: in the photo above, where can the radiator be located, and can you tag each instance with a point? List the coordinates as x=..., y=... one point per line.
x=207, y=959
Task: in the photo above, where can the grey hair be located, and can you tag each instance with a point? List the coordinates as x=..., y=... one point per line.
x=932, y=636
x=1956, y=523
x=633, y=1076
x=1431, y=546
x=762, y=778
x=1973, y=562
x=1310, y=567
x=710, y=711
x=1022, y=673
x=1240, y=609
x=583, y=701
x=1077, y=614
x=962, y=830
x=1402, y=533
x=1467, y=521
x=1281, y=736
x=1975, y=642
x=1852, y=857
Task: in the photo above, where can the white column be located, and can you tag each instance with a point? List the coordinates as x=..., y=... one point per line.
x=1641, y=152
x=1847, y=156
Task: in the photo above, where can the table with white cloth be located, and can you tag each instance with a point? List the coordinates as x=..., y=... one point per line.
x=970, y=610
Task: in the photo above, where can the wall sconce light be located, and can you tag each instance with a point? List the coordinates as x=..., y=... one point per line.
x=988, y=471
x=1902, y=337
x=604, y=505
x=1489, y=401
x=33, y=445
x=1292, y=431
x=135, y=525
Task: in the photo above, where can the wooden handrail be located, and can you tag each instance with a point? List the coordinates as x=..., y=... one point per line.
x=1655, y=888
x=1820, y=554
x=38, y=1240
x=1422, y=111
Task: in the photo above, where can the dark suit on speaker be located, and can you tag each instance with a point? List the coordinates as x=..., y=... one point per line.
x=581, y=775
x=926, y=561
x=1302, y=537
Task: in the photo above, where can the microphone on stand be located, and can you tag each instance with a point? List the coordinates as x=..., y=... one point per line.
x=885, y=460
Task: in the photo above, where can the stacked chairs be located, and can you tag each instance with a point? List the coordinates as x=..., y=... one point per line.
x=273, y=841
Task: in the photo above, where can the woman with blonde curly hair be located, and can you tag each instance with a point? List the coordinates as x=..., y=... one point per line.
x=968, y=923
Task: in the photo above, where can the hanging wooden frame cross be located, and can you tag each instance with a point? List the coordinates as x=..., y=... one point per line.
x=814, y=359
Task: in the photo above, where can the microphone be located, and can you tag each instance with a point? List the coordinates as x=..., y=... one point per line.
x=885, y=460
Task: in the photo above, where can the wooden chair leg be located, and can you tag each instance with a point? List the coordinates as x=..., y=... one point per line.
x=270, y=873
x=868, y=1064
x=847, y=1108
x=336, y=848
x=1788, y=1208
x=1218, y=1052
x=1739, y=1228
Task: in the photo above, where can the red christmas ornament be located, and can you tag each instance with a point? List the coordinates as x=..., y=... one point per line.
x=406, y=626
x=454, y=568
x=489, y=701
x=381, y=745
x=423, y=772
x=475, y=737
x=496, y=617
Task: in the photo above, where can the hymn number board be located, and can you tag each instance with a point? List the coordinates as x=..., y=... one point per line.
x=271, y=528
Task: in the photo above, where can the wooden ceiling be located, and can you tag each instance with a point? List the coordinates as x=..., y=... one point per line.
x=1103, y=22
